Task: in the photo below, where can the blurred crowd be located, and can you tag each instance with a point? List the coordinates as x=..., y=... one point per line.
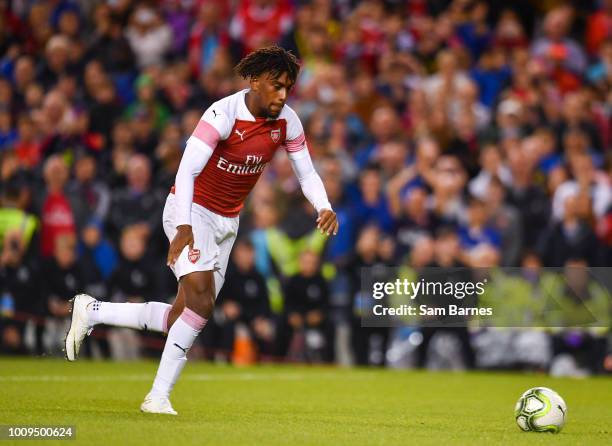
x=446, y=132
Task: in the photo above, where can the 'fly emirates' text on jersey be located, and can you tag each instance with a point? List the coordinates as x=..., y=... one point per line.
x=242, y=147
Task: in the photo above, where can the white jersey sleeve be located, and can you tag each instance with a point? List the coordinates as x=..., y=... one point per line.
x=196, y=155
x=310, y=181
x=214, y=126
x=295, y=140
x=295, y=145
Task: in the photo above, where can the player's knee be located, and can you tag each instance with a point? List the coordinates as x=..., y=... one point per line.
x=202, y=301
x=200, y=294
x=207, y=300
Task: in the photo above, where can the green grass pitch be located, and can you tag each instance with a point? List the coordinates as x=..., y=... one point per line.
x=287, y=405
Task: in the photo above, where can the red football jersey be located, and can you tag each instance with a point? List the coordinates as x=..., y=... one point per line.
x=243, y=146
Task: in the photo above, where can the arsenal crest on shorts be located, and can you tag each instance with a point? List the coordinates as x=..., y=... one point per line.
x=194, y=255
x=275, y=135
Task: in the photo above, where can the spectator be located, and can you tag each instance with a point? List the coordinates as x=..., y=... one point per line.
x=176, y=89
x=475, y=33
x=296, y=38
x=529, y=197
x=509, y=33
x=147, y=103
x=447, y=266
x=245, y=301
x=104, y=111
x=447, y=182
x=384, y=126
x=339, y=248
x=576, y=115
x=148, y=35
x=578, y=350
x=506, y=220
x=109, y=45
x=8, y=133
x=134, y=278
x=558, y=50
x=20, y=278
x=61, y=125
x=477, y=232
x=391, y=156
x=54, y=206
x=593, y=189
x=306, y=303
x=599, y=27
x=168, y=156
x=122, y=148
x=372, y=207
x=448, y=78
x=369, y=344
x=259, y=23
x=413, y=222
x=177, y=15
x=12, y=218
x=93, y=194
x=137, y=204
x=56, y=62
x=492, y=166
x=24, y=73
x=569, y=238
x=491, y=75
x=207, y=37
x=27, y=146
x=16, y=179
x=599, y=74
x=62, y=279
x=68, y=22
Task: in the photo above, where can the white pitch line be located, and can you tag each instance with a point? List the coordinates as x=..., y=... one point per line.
x=187, y=377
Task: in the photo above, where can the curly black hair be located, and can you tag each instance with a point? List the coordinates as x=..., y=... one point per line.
x=271, y=59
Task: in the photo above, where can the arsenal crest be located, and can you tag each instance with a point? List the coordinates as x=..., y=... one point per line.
x=275, y=135
x=194, y=255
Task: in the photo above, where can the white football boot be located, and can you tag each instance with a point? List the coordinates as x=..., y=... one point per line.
x=157, y=404
x=79, y=325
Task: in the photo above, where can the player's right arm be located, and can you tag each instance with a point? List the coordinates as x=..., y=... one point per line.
x=213, y=127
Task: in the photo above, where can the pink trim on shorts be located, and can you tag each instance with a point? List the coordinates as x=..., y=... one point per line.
x=165, y=322
x=193, y=319
x=295, y=145
x=207, y=133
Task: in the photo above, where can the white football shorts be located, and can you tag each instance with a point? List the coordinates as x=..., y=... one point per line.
x=213, y=238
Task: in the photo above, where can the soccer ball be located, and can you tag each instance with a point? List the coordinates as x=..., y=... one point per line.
x=540, y=410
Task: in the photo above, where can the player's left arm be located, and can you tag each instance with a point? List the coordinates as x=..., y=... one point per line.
x=314, y=191
x=310, y=181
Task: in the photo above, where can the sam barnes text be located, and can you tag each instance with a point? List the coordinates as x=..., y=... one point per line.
x=425, y=310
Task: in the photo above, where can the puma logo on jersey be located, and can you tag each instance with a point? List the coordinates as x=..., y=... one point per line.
x=214, y=112
x=241, y=134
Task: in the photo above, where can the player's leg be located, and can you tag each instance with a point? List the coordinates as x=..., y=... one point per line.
x=140, y=316
x=87, y=312
x=177, y=307
x=199, y=291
